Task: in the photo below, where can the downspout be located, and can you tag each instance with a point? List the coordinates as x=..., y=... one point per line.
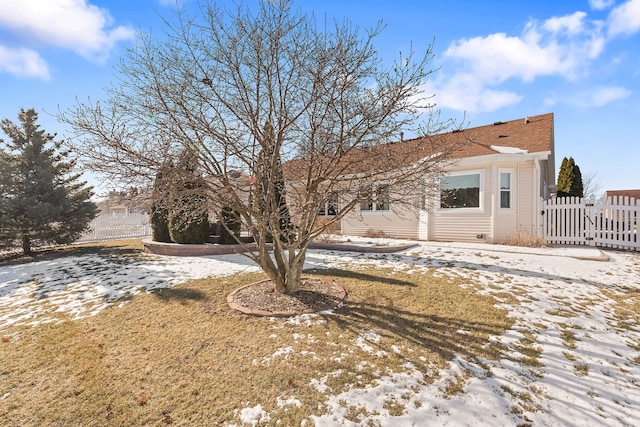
x=517, y=198
x=536, y=190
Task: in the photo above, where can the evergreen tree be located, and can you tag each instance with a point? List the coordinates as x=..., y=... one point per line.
x=43, y=201
x=570, y=179
x=270, y=180
x=230, y=226
x=188, y=213
x=160, y=204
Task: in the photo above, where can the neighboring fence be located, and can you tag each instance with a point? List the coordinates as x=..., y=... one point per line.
x=121, y=226
x=575, y=221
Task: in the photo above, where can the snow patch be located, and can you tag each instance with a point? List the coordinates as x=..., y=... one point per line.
x=254, y=416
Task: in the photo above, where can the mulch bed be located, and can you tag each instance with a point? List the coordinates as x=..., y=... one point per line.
x=260, y=298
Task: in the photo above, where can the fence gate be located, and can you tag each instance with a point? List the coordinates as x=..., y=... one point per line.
x=576, y=221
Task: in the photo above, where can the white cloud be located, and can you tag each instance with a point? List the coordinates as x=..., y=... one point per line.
x=464, y=93
x=70, y=24
x=23, y=63
x=571, y=24
x=560, y=46
x=601, y=4
x=606, y=95
x=625, y=19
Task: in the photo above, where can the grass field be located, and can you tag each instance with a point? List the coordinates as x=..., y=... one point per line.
x=180, y=355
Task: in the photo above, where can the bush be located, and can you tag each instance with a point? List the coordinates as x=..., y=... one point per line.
x=188, y=213
x=194, y=231
x=159, y=209
x=229, y=227
x=160, y=224
x=523, y=240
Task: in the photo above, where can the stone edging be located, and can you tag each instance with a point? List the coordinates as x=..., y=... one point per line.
x=234, y=306
x=359, y=248
x=175, y=249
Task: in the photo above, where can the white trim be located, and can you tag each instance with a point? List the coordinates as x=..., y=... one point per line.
x=512, y=189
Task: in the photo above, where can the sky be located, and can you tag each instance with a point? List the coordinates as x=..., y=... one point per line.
x=495, y=61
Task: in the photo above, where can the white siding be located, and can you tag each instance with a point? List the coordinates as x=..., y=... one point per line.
x=465, y=225
x=401, y=223
x=527, y=190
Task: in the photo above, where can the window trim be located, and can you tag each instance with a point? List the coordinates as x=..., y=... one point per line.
x=511, y=189
x=480, y=208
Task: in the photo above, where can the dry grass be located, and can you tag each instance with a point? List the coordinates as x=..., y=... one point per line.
x=627, y=307
x=523, y=240
x=182, y=356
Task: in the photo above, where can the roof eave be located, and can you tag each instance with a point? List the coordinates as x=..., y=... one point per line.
x=500, y=157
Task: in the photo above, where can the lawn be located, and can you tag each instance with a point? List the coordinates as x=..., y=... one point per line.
x=421, y=335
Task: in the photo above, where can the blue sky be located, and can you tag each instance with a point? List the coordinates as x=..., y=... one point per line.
x=497, y=60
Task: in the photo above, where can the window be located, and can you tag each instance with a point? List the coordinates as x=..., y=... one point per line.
x=382, y=198
x=376, y=199
x=506, y=190
x=330, y=207
x=460, y=191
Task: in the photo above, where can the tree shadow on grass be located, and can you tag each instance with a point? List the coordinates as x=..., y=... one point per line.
x=444, y=336
x=179, y=294
x=48, y=254
x=359, y=275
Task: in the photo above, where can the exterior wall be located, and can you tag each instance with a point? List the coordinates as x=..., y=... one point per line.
x=519, y=219
x=488, y=223
x=400, y=222
x=466, y=224
x=528, y=189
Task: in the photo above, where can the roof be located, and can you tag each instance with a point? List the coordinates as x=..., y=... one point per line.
x=530, y=135
x=525, y=135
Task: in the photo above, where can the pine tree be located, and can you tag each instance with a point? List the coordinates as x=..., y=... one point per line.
x=43, y=200
x=570, y=179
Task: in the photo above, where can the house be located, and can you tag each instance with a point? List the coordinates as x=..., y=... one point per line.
x=620, y=195
x=493, y=190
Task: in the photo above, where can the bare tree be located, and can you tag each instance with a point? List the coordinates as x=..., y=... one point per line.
x=271, y=93
x=591, y=186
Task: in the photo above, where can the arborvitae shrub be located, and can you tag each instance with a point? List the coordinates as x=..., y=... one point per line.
x=195, y=231
x=159, y=207
x=229, y=227
x=188, y=213
x=160, y=223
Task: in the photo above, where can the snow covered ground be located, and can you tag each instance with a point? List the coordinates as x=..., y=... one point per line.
x=589, y=370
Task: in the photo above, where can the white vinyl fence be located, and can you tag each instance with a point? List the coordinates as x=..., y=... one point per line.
x=576, y=221
x=120, y=226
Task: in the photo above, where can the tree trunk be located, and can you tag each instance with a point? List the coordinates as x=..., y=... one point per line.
x=284, y=270
x=26, y=244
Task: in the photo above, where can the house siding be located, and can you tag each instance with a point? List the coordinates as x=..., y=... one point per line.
x=528, y=190
x=465, y=225
x=400, y=222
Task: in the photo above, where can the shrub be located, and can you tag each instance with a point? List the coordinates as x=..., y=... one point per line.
x=160, y=223
x=527, y=240
x=188, y=213
x=229, y=226
x=371, y=233
x=189, y=230
x=159, y=207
